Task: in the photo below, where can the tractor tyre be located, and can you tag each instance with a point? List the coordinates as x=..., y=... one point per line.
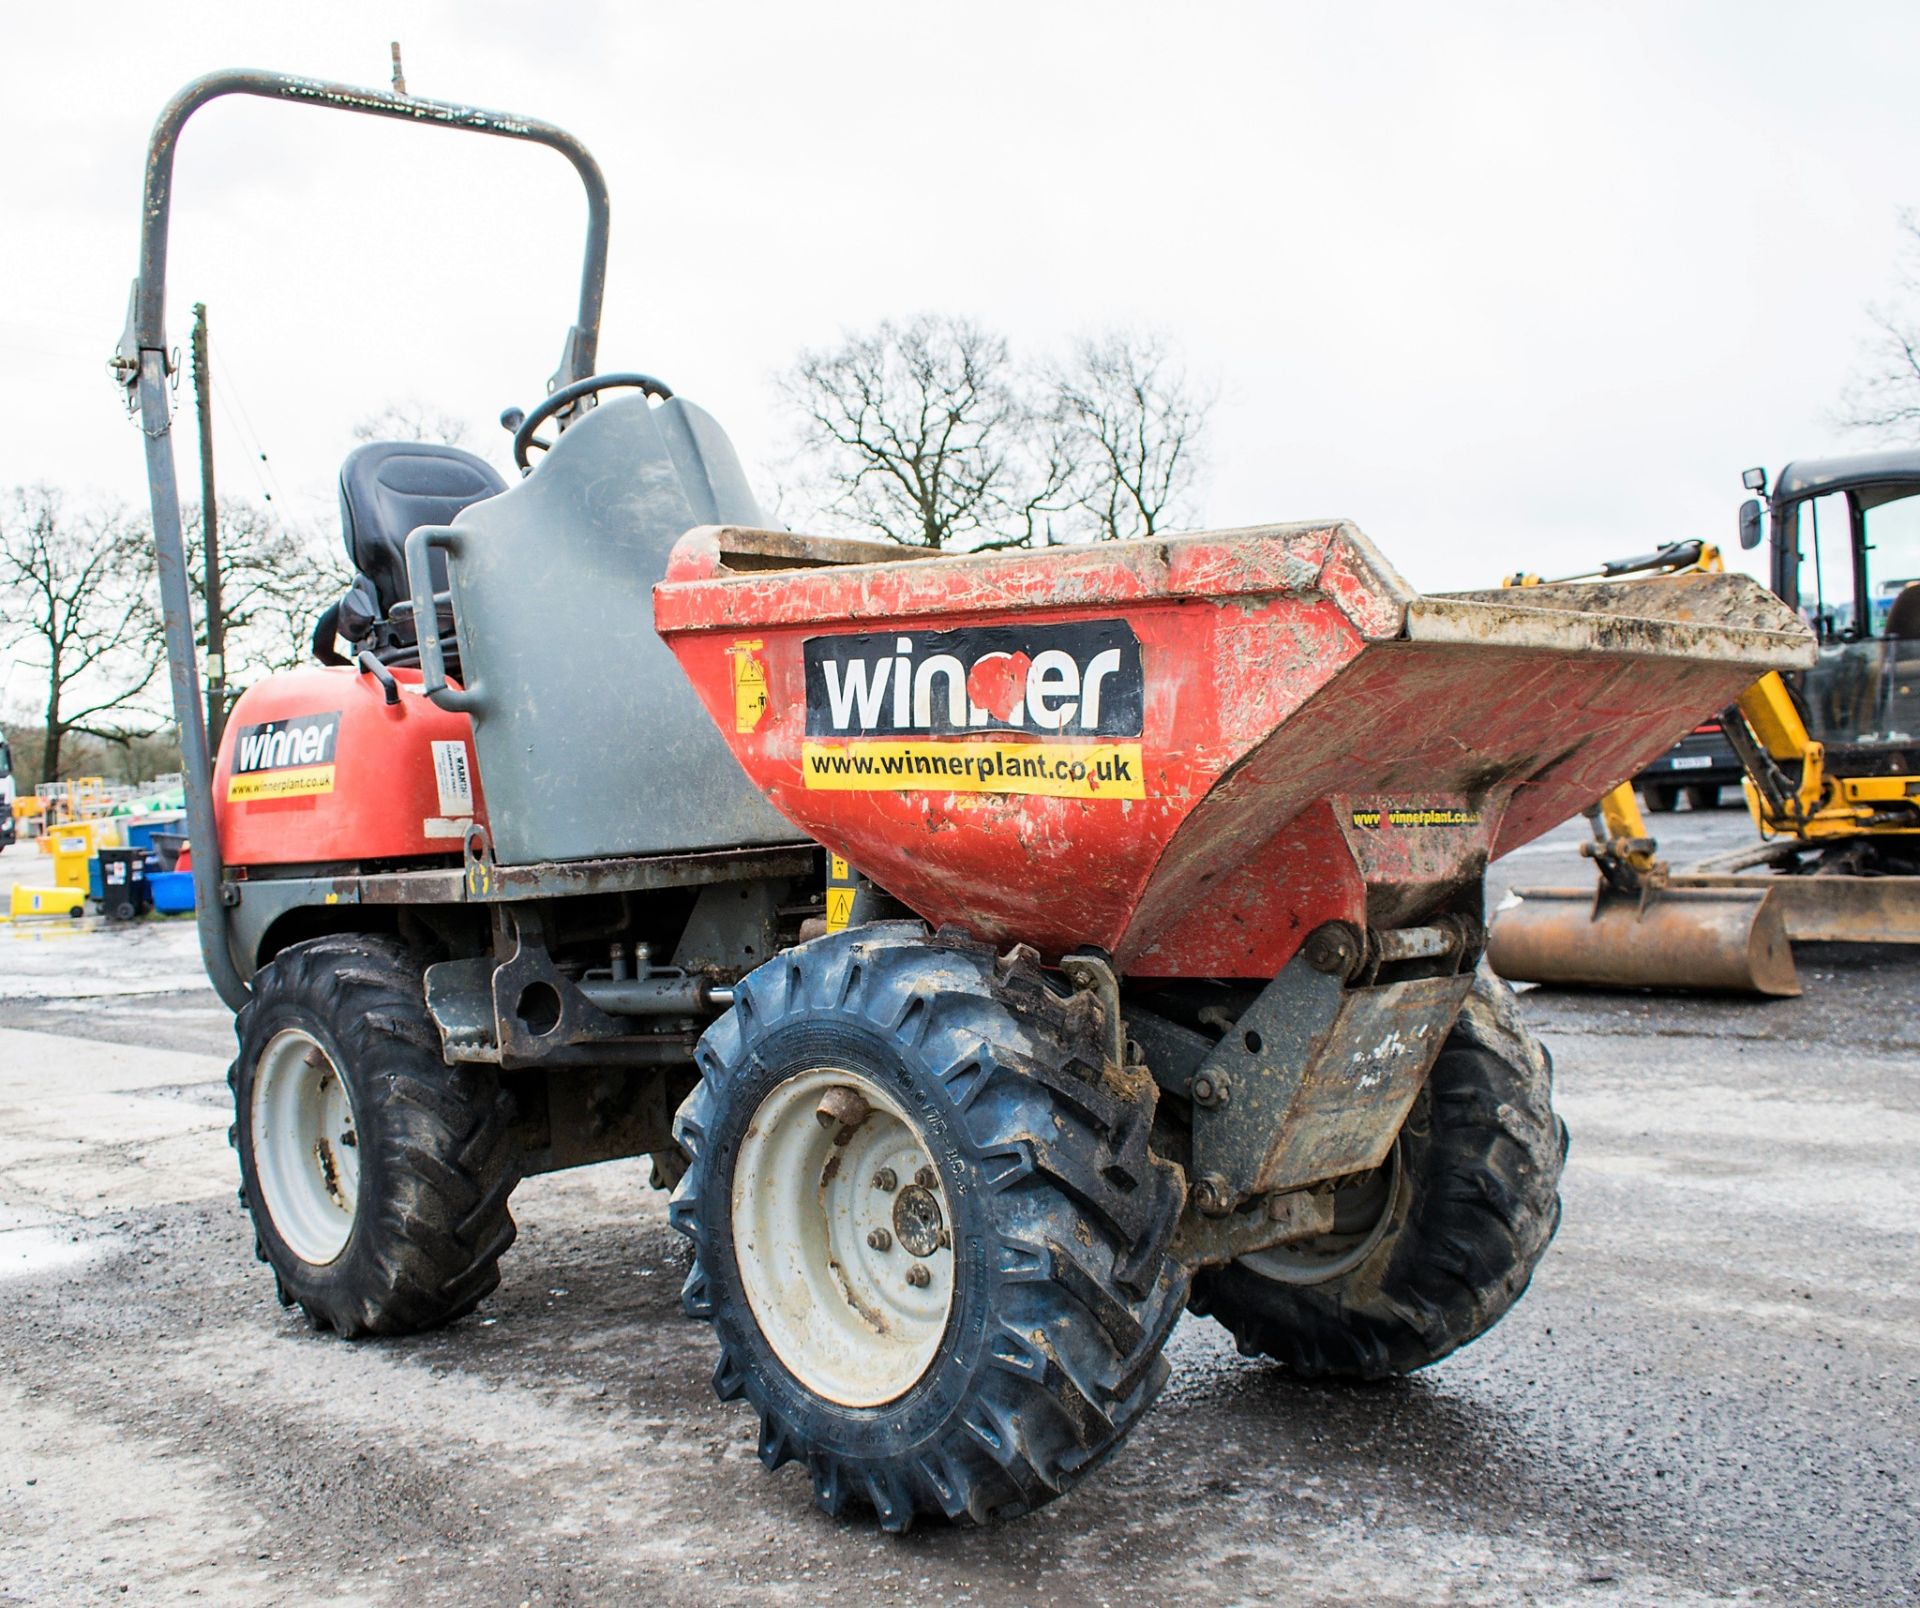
x=926, y=1225
x=376, y=1175
x=1431, y=1249
x=1661, y=797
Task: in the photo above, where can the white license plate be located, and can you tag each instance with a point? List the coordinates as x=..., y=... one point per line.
x=1692, y=761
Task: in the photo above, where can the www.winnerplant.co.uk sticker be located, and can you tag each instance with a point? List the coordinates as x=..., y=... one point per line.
x=291, y=758
x=1052, y=770
x=1417, y=815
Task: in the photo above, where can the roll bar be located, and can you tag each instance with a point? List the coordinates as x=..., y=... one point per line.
x=142, y=366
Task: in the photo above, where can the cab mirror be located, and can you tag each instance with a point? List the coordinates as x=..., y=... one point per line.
x=1750, y=523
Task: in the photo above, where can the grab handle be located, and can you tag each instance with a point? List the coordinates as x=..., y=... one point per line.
x=426, y=618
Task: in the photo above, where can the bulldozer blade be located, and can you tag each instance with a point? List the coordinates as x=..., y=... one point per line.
x=1831, y=909
x=1710, y=940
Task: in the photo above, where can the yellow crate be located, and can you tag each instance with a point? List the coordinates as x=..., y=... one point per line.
x=51, y=901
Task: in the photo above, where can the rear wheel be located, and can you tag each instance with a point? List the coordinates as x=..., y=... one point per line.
x=1660, y=797
x=1429, y=1251
x=926, y=1225
x=1703, y=796
x=376, y=1175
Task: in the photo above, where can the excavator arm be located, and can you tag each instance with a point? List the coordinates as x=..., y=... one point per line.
x=1772, y=740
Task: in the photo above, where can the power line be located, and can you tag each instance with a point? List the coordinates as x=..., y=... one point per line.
x=227, y=393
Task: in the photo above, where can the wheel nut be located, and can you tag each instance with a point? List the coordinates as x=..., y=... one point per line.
x=1211, y=1196
x=1209, y=1089
x=927, y=1178
x=885, y=1179
x=919, y=1277
x=880, y=1240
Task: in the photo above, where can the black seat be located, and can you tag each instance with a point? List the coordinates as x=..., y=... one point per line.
x=388, y=489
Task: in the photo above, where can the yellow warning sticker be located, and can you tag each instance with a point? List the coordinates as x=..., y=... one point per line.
x=749, y=685
x=839, y=908
x=837, y=868
x=301, y=782
x=1053, y=770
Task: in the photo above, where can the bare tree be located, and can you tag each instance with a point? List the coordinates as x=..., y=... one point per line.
x=1883, y=398
x=1133, y=424
x=412, y=420
x=75, y=604
x=275, y=579
x=922, y=431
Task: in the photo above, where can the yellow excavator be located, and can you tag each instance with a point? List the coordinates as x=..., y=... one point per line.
x=1832, y=760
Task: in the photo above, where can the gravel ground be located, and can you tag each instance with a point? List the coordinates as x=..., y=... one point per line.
x=1708, y=1395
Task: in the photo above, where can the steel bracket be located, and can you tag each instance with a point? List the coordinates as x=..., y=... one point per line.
x=1321, y=1073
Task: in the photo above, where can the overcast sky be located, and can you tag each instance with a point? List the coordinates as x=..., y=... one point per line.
x=1506, y=285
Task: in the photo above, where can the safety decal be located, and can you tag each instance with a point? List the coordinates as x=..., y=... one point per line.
x=841, y=888
x=453, y=777
x=291, y=758
x=749, y=685
x=1053, y=770
x=1417, y=815
x=1077, y=680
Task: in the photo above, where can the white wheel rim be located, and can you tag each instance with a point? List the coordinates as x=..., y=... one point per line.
x=850, y=1281
x=306, y=1153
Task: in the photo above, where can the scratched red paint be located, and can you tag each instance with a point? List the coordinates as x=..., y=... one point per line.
x=1284, y=706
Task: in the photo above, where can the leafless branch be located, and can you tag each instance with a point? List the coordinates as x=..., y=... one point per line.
x=914, y=430
x=1134, y=422
x=75, y=603
x=928, y=433
x=1883, y=397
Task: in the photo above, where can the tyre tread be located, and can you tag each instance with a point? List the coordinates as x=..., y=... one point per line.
x=1484, y=1210
x=428, y=1251
x=1062, y=1384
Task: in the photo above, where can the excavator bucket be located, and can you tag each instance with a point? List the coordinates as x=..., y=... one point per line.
x=1707, y=939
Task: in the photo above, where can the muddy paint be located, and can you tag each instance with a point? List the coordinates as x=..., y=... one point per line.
x=1281, y=696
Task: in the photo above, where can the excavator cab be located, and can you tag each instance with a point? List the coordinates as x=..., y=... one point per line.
x=1845, y=535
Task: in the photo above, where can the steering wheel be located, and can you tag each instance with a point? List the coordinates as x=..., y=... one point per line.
x=567, y=395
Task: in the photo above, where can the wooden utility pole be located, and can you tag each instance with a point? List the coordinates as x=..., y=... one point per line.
x=210, y=530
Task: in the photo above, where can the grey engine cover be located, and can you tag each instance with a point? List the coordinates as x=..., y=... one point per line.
x=590, y=741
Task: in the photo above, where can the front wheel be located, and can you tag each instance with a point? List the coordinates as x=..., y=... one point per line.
x=1428, y=1252
x=926, y=1225
x=377, y=1176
